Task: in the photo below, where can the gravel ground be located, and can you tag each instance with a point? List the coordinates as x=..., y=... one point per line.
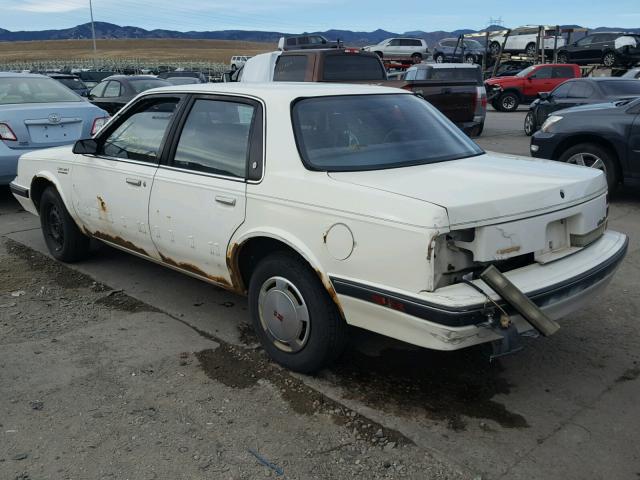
x=95, y=384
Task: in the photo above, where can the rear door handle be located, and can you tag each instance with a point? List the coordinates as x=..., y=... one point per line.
x=226, y=200
x=134, y=181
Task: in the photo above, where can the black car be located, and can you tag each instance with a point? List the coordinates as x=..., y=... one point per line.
x=579, y=91
x=114, y=92
x=71, y=81
x=604, y=136
x=608, y=49
x=302, y=42
x=453, y=50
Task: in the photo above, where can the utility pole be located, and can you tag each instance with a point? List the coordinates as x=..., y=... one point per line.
x=93, y=35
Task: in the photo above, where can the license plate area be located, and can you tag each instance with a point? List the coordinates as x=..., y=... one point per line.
x=63, y=132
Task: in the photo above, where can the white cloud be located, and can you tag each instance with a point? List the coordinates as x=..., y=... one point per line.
x=50, y=6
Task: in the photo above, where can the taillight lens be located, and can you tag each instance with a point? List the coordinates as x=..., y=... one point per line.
x=6, y=133
x=98, y=123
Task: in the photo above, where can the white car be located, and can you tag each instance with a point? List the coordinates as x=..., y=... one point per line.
x=329, y=205
x=399, y=48
x=523, y=42
x=238, y=61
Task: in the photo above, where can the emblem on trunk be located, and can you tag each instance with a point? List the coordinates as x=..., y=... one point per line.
x=54, y=118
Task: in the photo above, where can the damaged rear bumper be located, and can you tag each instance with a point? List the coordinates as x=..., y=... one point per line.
x=455, y=317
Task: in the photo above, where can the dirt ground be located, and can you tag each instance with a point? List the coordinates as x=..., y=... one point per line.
x=146, y=49
x=96, y=384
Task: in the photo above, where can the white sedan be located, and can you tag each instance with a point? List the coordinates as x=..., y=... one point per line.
x=329, y=206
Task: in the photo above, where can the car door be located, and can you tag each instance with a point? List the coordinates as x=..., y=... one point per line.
x=110, y=190
x=199, y=196
x=393, y=48
x=634, y=146
x=539, y=81
x=581, y=51
x=556, y=101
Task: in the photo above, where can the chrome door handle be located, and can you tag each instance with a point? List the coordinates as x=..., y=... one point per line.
x=134, y=181
x=226, y=201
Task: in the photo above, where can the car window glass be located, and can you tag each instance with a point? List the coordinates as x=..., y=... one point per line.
x=139, y=137
x=394, y=43
x=112, y=90
x=544, y=72
x=303, y=40
x=98, y=90
x=352, y=67
x=411, y=74
x=315, y=40
x=583, y=42
x=291, y=41
x=290, y=68
x=562, y=91
x=563, y=72
x=215, y=138
x=620, y=88
x=580, y=90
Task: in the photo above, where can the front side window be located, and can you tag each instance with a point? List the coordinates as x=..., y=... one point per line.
x=290, y=68
x=98, y=90
x=372, y=132
x=215, y=138
x=139, y=136
x=543, y=73
x=580, y=90
x=18, y=90
x=112, y=90
x=394, y=43
x=583, y=42
x=563, y=72
x=562, y=91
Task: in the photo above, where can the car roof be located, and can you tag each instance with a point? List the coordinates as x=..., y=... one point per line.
x=279, y=91
x=131, y=77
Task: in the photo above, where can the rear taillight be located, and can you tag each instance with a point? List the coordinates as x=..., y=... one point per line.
x=481, y=97
x=351, y=50
x=98, y=123
x=6, y=133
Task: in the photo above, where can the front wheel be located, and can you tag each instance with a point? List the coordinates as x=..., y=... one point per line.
x=609, y=59
x=594, y=156
x=439, y=58
x=494, y=49
x=470, y=59
x=64, y=239
x=563, y=57
x=294, y=317
x=416, y=58
x=530, y=123
x=508, y=102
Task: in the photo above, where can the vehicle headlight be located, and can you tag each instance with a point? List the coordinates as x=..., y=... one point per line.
x=552, y=120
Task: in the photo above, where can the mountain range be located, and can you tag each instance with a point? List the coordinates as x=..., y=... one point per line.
x=106, y=30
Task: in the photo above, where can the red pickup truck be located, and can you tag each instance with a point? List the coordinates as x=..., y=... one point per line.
x=506, y=93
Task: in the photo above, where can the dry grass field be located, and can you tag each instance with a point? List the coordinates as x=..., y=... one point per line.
x=146, y=49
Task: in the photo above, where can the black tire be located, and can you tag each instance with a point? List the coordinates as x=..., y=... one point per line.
x=470, y=59
x=327, y=332
x=64, y=239
x=508, y=102
x=530, y=126
x=530, y=49
x=416, y=58
x=494, y=49
x=563, y=57
x=590, y=150
x=438, y=58
x=495, y=104
x=609, y=59
x=479, y=129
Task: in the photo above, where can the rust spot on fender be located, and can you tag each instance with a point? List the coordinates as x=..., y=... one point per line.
x=102, y=204
x=234, y=268
x=331, y=291
x=195, y=270
x=116, y=240
x=504, y=251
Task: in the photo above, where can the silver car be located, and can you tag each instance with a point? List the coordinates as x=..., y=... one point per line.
x=38, y=112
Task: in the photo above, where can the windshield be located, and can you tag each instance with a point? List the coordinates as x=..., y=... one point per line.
x=526, y=71
x=16, y=90
x=142, y=84
x=620, y=88
x=371, y=132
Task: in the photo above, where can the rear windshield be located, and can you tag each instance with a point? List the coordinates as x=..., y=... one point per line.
x=16, y=90
x=621, y=87
x=72, y=83
x=347, y=67
x=456, y=74
x=141, y=85
x=371, y=132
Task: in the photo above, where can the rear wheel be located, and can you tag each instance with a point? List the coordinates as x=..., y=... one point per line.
x=416, y=58
x=494, y=49
x=64, y=239
x=296, y=321
x=530, y=49
x=530, y=126
x=508, y=102
x=439, y=58
x=563, y=57
x=470, y=59
x=609, y=59
x=594, y=156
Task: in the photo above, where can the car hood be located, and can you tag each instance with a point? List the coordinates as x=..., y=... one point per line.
x=590, y=108
x=487, y=189
x=501, y=80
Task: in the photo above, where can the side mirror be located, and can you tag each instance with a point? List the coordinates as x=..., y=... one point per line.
x=544, y=96
x=85, y=147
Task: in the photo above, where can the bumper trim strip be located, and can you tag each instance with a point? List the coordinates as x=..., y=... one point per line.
x=18, y=190
x=474, y=314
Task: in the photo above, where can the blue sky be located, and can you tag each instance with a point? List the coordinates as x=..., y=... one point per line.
x=309, y=15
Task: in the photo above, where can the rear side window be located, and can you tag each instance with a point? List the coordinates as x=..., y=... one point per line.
x=352, y=67
x=215, y=138
x=563, y=72
x=563, y=90
x=291, y=42
x=620, y=88
x=290, y=68
x=98, y=90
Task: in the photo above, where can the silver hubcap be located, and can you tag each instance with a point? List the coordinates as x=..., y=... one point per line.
x=508, y=102
x=588, y=160
x=439, y=59
x=284, y=315
x=528, y=123
x=609, y=59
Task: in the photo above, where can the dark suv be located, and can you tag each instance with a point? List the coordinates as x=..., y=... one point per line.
x=609, y=49
x=300, y=42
